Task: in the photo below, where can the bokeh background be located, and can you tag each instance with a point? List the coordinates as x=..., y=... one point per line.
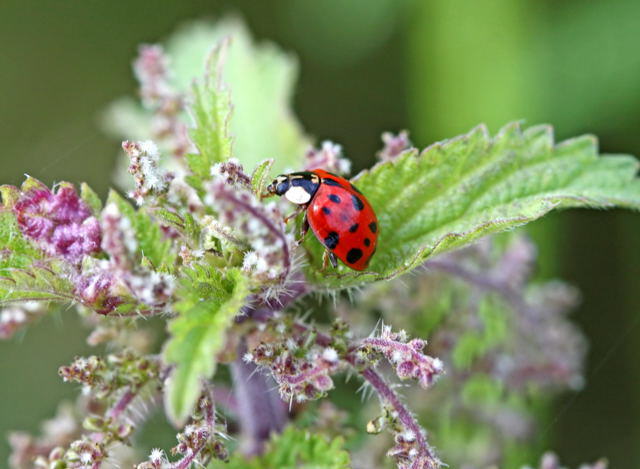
x=435, y=67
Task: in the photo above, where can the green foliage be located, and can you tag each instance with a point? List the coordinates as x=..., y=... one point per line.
x=211, y=111
x=475, y=343
x=294, y=449
x=260, y=79
x=151, y=242
x=91, y=198
x=208, y=301
x=185, y=224
x=260, y=177
x=481, y=389
x=461, y=189
x=21, y=277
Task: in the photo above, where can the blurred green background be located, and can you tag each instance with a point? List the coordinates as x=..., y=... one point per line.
x=434, y=67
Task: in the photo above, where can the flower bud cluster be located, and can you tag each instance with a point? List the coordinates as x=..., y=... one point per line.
x=104, y=376
x=105, y=285
x=328, y=157
x=259, y=226
x=99, y=288
x=394, y=145
x=198, y=443
x=119, y=240
x=405, y=355
x=81, y=454
x=158, y=95
x=301, y=368
x=232, y=173
x=58, y=221
x=118, y=377
x=150, y=180
x=407, y=455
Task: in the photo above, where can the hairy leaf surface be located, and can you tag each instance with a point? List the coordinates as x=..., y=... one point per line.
x=24, y=273
x=211, y=111
x=294, y=449
x=260, y=80
x=151, y=242
x=208, y=302
x=461, y=189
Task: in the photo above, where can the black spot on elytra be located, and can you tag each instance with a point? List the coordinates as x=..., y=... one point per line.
x=373, y=226
x=357, y=203
x=331, y=241
x=331, y=182
x=353, y=228
x=326, y=210
x=334, y=198
x=355, y=188
x=367, y=242
x=354, y=255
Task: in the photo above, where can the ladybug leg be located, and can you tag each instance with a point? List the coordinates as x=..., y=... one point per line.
x=304, y=229
x=329, y=256
x=334, y=260
x=299, y=209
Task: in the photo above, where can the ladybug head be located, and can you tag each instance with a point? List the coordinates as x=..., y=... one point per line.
x=279, y=186
x=298, y=188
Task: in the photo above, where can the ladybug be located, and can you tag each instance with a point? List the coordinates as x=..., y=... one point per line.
x=338, y=213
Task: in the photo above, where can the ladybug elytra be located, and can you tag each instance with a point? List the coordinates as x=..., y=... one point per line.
x=338, y=213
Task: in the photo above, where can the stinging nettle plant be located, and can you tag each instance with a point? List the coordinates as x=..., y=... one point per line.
x=244, y=360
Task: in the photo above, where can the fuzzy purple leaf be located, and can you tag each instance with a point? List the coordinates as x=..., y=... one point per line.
x=58, y=221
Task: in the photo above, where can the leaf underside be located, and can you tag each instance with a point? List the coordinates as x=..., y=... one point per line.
x=461, y=189
x=25, y=274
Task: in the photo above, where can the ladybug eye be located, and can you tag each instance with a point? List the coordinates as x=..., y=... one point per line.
x=282, y=187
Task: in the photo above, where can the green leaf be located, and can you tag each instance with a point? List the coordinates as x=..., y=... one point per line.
x=260, y=79
x=10, y=195
x=461, y=189
x=209, y=300
x=481, y=389
x=260, y=177
x=151, y=241
x=90, y=198
x=211, y=111
x=21, y=277
x=294, y=449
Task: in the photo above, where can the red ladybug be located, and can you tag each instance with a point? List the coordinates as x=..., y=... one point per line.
x=339, y=215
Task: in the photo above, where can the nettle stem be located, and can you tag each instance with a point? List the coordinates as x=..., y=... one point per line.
x=260, y=408
x=122, y=404
x=404, y=416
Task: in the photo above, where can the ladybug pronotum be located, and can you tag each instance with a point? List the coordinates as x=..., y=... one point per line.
x=338, y=213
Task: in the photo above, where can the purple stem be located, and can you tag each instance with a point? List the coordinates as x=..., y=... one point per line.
x=185, y=462
x=122, y=404
x=209, y=415
x=260, y=409
x=305, y=375
x=405, y=417
x=224, y=397
x=385, y=393
x=392, y=344
x=210, y=411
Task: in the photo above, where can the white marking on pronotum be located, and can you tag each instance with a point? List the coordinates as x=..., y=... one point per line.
x=297, y=195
